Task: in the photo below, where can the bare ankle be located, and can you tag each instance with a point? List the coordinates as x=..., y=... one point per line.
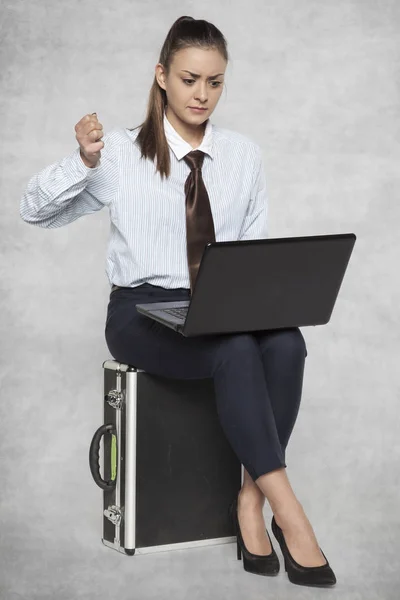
x=290, y=516
x=250, y=497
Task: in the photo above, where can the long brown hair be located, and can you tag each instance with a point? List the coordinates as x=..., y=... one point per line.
x=185, y=32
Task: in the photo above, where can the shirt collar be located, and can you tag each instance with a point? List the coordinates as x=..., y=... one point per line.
x=180, y=147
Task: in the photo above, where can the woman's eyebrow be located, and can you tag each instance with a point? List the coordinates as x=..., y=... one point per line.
x=196, y=75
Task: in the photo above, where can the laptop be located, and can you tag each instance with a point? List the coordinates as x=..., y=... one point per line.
x=257, y=285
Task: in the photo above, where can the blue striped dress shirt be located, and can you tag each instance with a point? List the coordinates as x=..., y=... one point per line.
x=147, y=239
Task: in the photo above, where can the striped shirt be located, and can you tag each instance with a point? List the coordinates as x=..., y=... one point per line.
x=147, y=239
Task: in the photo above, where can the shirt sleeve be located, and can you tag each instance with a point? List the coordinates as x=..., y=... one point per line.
x=255, y=221
x=68, y=189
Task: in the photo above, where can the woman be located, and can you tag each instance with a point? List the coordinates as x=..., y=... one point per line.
x=258, y=377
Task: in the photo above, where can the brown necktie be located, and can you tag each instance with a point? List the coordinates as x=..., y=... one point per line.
x=199, y=220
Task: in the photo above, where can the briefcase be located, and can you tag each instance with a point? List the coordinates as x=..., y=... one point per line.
x=167, y=472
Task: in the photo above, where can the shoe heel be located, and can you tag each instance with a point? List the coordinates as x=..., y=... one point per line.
x=239, y=552
x=253, y=563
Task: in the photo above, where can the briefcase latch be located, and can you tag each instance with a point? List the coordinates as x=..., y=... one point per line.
x=113, y=514
x=115, y=398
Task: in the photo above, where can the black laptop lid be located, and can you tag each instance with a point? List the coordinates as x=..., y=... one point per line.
x=271, y=283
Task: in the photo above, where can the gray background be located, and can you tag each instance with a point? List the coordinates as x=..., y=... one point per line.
x=316, y=84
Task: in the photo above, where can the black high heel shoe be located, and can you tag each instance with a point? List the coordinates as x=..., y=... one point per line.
x=321, y=576
x=259, y=564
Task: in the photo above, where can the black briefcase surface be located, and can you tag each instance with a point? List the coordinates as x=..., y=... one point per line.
x=169, y=472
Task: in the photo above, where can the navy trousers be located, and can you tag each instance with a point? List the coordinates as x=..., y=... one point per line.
x=258, y=376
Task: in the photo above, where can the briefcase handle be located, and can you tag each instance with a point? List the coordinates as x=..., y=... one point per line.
x=94, y=457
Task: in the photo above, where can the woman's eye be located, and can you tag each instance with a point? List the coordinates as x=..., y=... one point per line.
x=190, y=80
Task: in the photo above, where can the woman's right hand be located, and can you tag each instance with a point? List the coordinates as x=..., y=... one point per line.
x=88, y=134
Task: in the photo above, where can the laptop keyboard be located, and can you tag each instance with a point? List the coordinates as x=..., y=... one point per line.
x=177, y=312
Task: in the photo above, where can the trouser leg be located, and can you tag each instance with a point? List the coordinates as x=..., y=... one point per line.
x=244, y=405
x=283, y=354
x=237, y=363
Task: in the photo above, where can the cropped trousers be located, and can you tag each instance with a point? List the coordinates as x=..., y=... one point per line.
x=258, y=376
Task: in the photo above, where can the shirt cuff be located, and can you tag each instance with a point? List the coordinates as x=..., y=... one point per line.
x=77, y=167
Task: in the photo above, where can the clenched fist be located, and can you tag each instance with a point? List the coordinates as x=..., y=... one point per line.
x=88, y=134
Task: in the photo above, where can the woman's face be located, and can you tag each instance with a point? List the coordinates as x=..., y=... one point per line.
x=185, y=90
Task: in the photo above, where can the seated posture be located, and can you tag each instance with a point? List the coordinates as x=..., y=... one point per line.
x=172, y=185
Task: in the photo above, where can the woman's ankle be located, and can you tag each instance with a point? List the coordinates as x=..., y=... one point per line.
x=290, y=516
x=250, y=497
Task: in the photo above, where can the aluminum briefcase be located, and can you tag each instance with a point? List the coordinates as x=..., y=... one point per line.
x=169, y=472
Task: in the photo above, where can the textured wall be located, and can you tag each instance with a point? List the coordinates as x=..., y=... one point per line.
x=316, y=84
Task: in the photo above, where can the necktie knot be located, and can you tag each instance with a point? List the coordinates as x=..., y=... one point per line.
x=194, y=159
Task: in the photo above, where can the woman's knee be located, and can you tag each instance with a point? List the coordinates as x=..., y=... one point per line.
x=297, y=341
x=238, y=347
x=286, y=341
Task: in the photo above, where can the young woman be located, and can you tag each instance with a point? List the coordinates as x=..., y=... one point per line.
x=150, y=181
